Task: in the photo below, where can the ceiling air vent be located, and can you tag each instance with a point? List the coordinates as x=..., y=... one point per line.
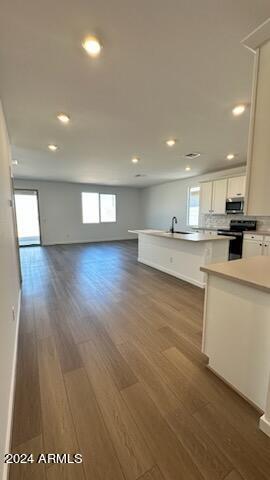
x=192, y=155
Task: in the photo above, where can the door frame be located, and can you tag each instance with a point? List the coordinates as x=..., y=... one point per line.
x=39, y=224
x=15, y=227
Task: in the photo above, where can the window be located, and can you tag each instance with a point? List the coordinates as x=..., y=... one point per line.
x=107, y=208
x=90, y=207
x=193, y=206
x=98, y=207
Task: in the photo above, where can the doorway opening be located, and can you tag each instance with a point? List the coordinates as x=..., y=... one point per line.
x=27, y=213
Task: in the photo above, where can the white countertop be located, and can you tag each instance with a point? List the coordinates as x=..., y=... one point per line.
x=215, y=228
x=190, y=237
x=257, y=232
x=246, y=232
x=253, y=271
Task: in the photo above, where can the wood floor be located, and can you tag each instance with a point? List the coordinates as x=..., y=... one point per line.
x=109, y=366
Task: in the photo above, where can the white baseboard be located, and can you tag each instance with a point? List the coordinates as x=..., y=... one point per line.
x=264, y=425
x=99, y=240
x=173, y=273
x=12, y=391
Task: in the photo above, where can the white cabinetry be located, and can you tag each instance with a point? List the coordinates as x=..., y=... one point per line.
x=256, y=245
x=219, y=196
x=213, y=196
x=236, y=332
x=206, y=197
x=236, y=187
x=266, y=248
x=252, y=248
x=181, y=258
x=258, y=201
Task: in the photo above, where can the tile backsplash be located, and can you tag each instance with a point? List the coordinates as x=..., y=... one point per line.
x=263, y=223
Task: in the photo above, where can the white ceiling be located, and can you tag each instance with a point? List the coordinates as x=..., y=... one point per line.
x=168, y=69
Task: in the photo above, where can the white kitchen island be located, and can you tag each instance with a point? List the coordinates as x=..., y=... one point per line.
x=181, y=255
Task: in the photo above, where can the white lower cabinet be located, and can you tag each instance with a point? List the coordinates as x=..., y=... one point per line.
x=252, y=248
x=256, y=245
x=237, y=336
x=266, y=247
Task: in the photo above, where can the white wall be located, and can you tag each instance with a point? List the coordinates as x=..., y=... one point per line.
x=9, y=295
x=162, y=202
x=61, y=212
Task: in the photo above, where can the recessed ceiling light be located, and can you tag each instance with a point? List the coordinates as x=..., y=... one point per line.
x=230, y=156
x=135, y=159
x=14, y=162
x=92, y=46
x=52, y=147
x=171, y=142
x=63, y=117
x=187, y=169
x=238, y=110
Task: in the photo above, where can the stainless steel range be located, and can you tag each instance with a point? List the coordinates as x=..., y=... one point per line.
x=236, y=229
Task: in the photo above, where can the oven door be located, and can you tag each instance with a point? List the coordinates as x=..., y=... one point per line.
x=236, y=244
x=235, y=205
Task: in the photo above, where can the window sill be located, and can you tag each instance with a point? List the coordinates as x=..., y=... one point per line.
x=97, y=223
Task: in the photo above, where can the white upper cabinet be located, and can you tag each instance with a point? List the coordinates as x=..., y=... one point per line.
x=213, y=196
x=219, y=196
x=206, y=197
x=236, y=187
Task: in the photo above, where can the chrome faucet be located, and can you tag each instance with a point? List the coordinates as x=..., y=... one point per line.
x=174, y=220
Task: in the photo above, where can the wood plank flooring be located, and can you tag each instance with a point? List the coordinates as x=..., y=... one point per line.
x=109, y=366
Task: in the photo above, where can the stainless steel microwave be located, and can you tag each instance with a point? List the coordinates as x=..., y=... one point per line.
x=235, y=205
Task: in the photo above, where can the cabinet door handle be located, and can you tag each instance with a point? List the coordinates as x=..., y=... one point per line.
x=265, y=244
x=260, y=244
x=238, y=194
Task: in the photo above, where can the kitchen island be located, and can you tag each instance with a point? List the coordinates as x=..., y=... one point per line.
x=236, y=333
x=181, y=254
